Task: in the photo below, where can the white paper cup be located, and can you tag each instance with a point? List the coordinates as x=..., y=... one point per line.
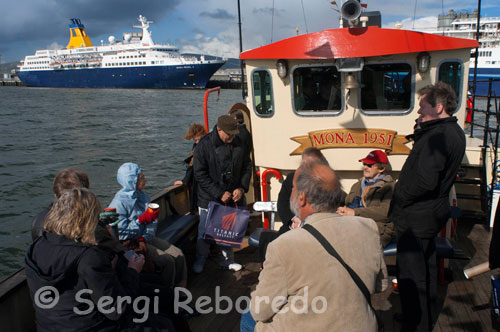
x=153, y=207
x=395, y=286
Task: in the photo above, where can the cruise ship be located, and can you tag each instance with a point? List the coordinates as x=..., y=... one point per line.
x=133, y=62
x=464, y=25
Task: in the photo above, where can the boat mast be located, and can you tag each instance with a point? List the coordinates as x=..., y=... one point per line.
x=146, y=34
x=241, y=50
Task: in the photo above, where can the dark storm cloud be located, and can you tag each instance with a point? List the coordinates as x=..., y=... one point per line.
x=220, y=14
x=32, y=20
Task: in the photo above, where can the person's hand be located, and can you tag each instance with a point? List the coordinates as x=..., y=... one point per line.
x=143, y=247
x=226, y=197
x=178, y=183
x=136, y=262
x=237, y=194
x=149, y=216
x=296, y=222
x=345, y=211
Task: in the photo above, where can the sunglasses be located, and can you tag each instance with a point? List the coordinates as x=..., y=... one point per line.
x=368, y=165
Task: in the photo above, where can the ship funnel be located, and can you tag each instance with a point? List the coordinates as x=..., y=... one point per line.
x=78, y=37
x=351, y=10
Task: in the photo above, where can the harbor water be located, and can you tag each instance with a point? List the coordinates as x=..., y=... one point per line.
x=43, y=130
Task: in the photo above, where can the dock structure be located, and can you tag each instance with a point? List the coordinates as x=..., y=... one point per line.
x=10, y=82
x=462, y=305
x=226, y=79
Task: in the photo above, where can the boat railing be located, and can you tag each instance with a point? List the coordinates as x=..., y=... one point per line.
x=490, y=127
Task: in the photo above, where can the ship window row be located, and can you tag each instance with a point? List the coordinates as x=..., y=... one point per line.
x=484, y=53
x=132, y=56
x=385, y=88
x=37, y=62
x=136, y=63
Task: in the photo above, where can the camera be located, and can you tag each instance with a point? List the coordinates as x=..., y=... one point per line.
x=227, y=176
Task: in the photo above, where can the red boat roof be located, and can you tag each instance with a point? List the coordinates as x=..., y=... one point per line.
x=356, y=42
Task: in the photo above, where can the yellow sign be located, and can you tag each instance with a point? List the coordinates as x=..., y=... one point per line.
x=383, y=139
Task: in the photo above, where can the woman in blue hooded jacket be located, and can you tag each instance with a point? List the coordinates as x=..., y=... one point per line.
x=137, y=223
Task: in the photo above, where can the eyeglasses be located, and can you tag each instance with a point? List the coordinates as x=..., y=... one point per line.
x=368, y=165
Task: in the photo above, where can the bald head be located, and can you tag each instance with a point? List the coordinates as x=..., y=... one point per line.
x=320, y=186
x=312, y=154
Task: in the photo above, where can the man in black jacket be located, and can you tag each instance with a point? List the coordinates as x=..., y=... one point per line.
x=222, y=170
x=420, y=204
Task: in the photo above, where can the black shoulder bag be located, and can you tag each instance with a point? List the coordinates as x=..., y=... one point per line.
x=328, y=247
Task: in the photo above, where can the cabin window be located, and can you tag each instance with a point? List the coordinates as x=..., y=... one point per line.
x=262, y=93
x=316, y=89
x=451, y=72
x=386, y=88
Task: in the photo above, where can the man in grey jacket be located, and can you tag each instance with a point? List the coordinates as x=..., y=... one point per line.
x=302, y=287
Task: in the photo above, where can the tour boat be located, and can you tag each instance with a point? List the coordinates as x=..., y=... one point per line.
x=367, y=78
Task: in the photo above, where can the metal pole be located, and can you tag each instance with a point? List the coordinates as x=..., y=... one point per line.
x=487, y=197
x=493, y=177
x=478, y=24
x=241, y=50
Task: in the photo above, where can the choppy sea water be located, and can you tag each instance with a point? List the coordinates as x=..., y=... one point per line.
x=45, y=130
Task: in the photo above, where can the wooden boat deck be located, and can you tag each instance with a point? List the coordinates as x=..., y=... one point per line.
x=463, y=305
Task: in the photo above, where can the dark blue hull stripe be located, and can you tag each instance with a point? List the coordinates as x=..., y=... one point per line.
x=183, y=76
x=483, y=74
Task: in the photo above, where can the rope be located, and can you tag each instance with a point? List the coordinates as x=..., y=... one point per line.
x=304, y=13
x=272, y=23
x=414, y=14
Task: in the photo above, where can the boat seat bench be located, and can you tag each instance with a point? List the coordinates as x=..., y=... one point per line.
x=444, y=249
x=174, y=227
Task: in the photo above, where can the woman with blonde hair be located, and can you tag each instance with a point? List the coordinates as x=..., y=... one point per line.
x=65, y=264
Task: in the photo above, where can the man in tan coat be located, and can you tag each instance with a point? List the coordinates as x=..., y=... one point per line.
x=302, y=287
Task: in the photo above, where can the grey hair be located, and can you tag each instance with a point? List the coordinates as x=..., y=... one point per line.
x=321, y=197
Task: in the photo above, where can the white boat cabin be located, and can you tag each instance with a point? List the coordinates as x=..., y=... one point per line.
x=347, y=91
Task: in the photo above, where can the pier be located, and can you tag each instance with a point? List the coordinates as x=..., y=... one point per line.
x=226, y=79
x=10, y=82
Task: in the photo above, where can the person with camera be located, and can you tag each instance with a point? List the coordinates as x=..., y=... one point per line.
x=222, y=170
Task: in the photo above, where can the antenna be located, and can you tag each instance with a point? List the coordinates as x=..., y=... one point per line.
x=304, y=13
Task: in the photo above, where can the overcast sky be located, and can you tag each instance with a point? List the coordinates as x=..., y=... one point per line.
x=196, y=26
